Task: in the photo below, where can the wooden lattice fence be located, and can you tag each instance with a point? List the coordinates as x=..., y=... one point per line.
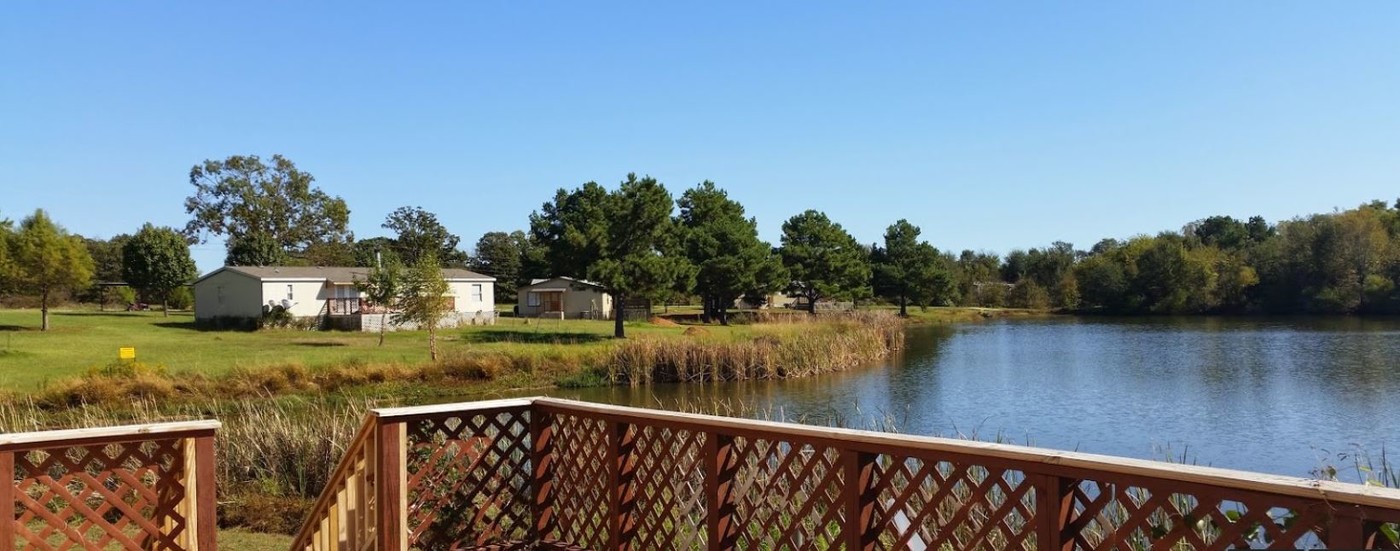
x=140, y=487
x=555, y=474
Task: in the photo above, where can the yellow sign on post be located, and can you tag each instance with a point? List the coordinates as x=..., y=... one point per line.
x=126, y=353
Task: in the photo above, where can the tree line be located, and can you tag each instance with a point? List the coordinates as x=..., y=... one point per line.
x=638, y=240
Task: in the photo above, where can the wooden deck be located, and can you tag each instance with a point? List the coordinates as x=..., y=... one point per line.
x=556, y=474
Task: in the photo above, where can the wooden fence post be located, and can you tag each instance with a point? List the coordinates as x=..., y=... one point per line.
x=7, y=502
x=391, y=486
x=859, y=495
x=622, y=492
x=206, y=521
x=542, y=479
x=721, y=464
x=1053, y=497
x=1346, y=530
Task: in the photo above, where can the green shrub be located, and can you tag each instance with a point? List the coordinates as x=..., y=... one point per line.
x=180, y=299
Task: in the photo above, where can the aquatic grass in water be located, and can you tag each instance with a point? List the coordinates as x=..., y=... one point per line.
x=796, y=346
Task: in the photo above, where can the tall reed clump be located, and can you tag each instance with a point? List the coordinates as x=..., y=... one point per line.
x=784, y=346
x=277, y=457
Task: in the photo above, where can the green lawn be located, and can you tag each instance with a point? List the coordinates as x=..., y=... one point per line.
x=81, y=340
x=239, y=540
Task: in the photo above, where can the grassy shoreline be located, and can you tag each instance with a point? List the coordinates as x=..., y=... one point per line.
x=513, y=354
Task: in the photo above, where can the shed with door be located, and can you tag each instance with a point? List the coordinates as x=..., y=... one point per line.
x=564, y=298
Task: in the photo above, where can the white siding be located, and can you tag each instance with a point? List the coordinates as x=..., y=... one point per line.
x=308, y=296
x=463, y=294
x=227, y=294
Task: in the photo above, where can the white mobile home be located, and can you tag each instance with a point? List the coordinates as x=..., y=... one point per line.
x=240, y=295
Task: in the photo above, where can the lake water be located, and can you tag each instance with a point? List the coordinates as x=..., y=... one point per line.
x=1272, y=395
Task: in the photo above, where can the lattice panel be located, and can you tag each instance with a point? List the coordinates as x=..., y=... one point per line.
x=669, y=488
x=469, y=481
x=1143, y=515
x=787, y=495
x=927, y=504
x=113, y=496
x=580, y=481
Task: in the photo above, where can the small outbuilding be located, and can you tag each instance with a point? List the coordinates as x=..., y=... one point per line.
x=564, y=298
x=234, y=296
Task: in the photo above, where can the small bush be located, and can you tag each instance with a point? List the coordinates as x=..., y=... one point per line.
x=276, y=316
x=585, y=378
x=180, y=299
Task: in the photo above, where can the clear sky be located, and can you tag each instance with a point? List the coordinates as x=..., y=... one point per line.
x=993, y=125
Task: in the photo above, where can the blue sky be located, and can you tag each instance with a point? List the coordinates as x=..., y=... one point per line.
x=991, y=125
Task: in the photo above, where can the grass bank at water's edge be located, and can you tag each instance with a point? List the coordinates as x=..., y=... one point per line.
x=514, y=356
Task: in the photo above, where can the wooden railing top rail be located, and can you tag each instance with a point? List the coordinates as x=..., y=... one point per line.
x=100, y=435
x=878, y=442
x=390, y=414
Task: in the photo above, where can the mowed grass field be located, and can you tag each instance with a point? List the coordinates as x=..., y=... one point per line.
x=79, y=341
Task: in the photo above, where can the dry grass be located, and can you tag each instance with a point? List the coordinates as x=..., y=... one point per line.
x=782, y=347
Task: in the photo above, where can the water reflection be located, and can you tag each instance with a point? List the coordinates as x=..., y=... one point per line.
x=1259, y=394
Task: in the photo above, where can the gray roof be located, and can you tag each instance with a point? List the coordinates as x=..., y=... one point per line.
x=335, y=274
x=534, y=282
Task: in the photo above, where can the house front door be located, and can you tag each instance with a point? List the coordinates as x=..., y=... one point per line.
x=552, y=302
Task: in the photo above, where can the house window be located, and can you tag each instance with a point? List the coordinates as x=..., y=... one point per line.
x=534, y=299
x=289, y=292
x=476, y=292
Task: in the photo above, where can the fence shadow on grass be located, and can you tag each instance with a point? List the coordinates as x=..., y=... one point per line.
x=186, y=325
x=319, y=344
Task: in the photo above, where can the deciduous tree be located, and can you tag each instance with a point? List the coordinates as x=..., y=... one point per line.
x=419, y=235
x=423, y=299
x=47, y=259
x=251, y=202
x=157, y=261
x=382, y=288
x=7, y=267
x=107, y=267
x=374, y=251
x=502, y=255
x=255, y=249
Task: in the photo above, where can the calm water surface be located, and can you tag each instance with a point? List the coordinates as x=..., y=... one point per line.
x=1276, y=395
